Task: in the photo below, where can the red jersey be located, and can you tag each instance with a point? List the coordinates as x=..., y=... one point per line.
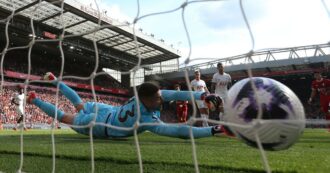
x=182, y=110
x=322, y=86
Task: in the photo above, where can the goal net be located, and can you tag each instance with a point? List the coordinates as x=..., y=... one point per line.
x=57, y=15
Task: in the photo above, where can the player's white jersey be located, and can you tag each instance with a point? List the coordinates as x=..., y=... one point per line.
x=198, y=85
x=19, y=99
x=221, y=84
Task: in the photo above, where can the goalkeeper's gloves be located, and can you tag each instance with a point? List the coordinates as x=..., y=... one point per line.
x=213, y=102
x=222, y=129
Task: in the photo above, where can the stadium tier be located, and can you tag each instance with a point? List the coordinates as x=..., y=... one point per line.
x=115, y=40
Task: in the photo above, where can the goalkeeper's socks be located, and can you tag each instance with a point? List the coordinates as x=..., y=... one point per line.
x=48, y=108
x=69, y=93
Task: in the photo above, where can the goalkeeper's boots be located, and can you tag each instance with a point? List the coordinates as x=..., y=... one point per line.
x=222, y=129
x=49, y=76
x=31, y=96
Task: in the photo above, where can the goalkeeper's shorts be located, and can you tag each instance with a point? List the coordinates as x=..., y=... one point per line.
x=86, y=116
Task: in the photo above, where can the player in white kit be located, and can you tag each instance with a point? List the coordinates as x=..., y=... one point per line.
x=221, y=81
x=18, y=100
x=199, y=85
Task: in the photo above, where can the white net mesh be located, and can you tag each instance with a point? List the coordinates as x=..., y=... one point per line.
x=89, y=30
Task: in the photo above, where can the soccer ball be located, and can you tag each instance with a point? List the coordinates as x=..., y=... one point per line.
x=282, y=118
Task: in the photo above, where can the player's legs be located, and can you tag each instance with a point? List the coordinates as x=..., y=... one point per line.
x=179, y=112
x=66, y=91
x=82, y=119
x=203, y=111
x=205, y=116
x=19, y=111
x=184, y=112
x=19, y=117
x=324, y=103
x=327, y=117
x=221, y=113
x=19, y=122
x=50, y=109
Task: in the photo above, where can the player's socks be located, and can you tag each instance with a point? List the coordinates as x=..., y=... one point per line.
x=221, y=116
x=204, y=117
x=48, y=108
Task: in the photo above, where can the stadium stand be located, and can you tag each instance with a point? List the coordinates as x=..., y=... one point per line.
x=116, y=48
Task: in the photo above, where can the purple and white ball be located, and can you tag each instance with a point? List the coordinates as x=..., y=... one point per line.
x=282, y=118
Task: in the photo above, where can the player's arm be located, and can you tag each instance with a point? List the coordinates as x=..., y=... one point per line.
x=13, y=101
x=170, y=95
x=229, y=85
x=192, y=87
x=229, y=82
x=213, y=87
x=313, y=94
x=327, y=84
x=213, y=84
x=206, y=89
x=179, y=130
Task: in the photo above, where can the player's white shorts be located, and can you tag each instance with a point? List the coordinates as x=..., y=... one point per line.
x=19, y=111
x=200, y=104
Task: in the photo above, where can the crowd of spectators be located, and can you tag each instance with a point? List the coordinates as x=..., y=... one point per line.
x=34, y=115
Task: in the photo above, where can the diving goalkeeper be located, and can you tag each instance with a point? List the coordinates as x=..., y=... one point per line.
x=125, y=116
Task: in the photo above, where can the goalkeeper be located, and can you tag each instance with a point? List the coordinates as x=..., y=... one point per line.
x=125, y=116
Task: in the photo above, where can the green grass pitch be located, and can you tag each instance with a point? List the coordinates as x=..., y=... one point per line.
x=159, y=154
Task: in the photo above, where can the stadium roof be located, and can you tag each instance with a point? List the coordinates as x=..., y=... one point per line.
x=280, y=62
x=115, y=39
